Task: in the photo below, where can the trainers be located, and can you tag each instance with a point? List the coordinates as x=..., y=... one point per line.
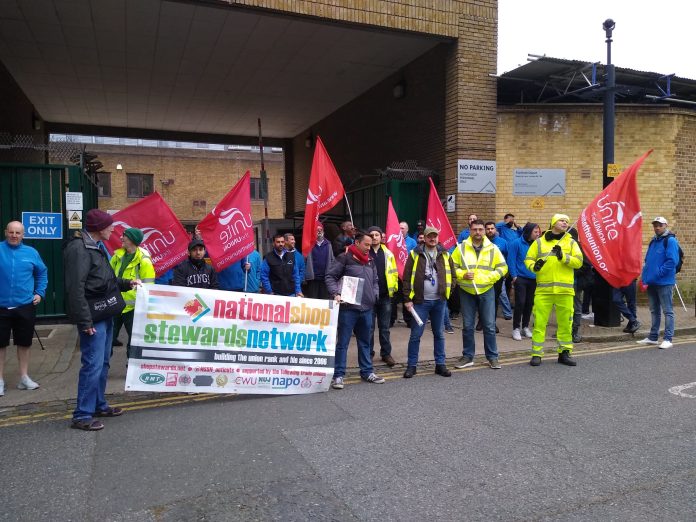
x=516, y=334
x=25, y=383
x=449, y=330
x=373, y=378
x=588, y=316
x=633, y=327
x=666, y=344
x=527, y=332
x=536, y=361
x=464, y=362
x=494, y=364
x=441, y=369
x=647, y=340
x=2, y=387
x=337, y=383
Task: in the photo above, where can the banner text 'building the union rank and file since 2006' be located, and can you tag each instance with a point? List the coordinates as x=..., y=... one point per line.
x=195, y=340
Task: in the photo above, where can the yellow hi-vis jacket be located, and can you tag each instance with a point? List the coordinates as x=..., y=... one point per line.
x=555, y=277
x=488, y=267
x=390, y=270
x=140, y=267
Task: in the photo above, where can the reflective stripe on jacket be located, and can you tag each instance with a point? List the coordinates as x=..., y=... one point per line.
x=488, y=267
x=390, y=271
x=414, y=274
x=140, y=267
x=555, y=277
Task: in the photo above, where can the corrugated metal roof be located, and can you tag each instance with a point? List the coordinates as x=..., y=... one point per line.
x=559, y=80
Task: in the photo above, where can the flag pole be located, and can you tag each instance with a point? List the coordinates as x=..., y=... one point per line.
x=348, y=206
x=466, y=265
x=264, y=188
x=246, y=273
x=680, y=297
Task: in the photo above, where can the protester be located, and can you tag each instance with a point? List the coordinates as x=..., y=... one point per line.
x=464, y=234
x=478, y=264
x=194, y=272
x=508, y=229
x=130, y=262
x=345, y=239
x=420, y=239
x=399, y=295
x=553, y=257
x=318, y=261
x=524, y=280
x=660, y=273
x=23, y=279
x=388, y=281
x=243, y=275
x=583, y=284
x=410, y=242
x=299, y=258
x=420, y=227
x=625, y=300
x=90, y=277
x=501, y=298
x=354, y=318
x=280, y=274
x=166, y=278
x=427, y=286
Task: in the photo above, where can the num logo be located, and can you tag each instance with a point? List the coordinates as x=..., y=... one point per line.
x=196, y=308
x=235, y=218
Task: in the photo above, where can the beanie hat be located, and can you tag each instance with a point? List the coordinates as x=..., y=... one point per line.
x=97, y=220
x=135, y=235
x=195, y=243
x=557, y=217
x=374, y=229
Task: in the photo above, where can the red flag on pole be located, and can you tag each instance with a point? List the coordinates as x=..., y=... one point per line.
x=324, y=192
x=438, y=218
x=228, y=230
x=610, y=229
x=163, y=235
x=395, y=240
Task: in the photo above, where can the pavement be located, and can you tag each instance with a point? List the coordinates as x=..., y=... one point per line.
x=56, y=367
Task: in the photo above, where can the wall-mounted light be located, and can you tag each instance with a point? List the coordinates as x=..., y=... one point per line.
x=167, y=182
x=309, y=141
x=119, y=166
x=399, y=90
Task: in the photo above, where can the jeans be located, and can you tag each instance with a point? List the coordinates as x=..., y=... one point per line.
x=91, y=384
x=350, y=320
x=485, y=304
x=660, y=298
x=524, y=301
x=504, y=298
x=382, y=318
x=628, y=308
x=435, y=310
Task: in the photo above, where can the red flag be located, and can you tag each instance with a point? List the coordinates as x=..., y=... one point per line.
x=611, y=229
x=324, y=192
x=166, y=241
x=228, y=230
x=395, y=240
x=438, y=218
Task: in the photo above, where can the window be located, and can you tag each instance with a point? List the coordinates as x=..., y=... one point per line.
x=140, y=185
x=256, y=192
x=104, y=184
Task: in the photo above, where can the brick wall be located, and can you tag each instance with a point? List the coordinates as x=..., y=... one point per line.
x=198, y=175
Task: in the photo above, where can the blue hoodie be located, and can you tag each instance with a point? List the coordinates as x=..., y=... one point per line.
x=22, y=275
x=507, y=233
x=661, y=260
x=517, y=251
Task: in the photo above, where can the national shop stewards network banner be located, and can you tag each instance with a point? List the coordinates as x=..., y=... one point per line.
x=194, y=340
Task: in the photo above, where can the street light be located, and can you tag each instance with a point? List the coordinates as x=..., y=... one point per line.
x=609, y=107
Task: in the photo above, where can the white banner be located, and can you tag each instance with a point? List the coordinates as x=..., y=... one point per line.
x=195, y=340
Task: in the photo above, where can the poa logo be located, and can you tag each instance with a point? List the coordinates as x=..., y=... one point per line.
x=196, y=308
x=234, y=219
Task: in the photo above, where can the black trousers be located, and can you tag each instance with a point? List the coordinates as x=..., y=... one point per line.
x=524, y=302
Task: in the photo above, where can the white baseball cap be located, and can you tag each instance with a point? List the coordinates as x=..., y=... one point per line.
x=660, y=219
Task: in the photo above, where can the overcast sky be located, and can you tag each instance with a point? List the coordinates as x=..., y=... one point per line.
x=654, y=36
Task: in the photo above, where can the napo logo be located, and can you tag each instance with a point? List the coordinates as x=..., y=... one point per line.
x=221, y=380
x=152, y=378
x=184, y=379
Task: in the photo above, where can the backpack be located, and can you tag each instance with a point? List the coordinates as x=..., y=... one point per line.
x=681, y=257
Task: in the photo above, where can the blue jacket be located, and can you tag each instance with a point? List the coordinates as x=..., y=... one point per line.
x=165, y=278
x=661, y=260
x=517, y=251
x=502, y=245
x=300, y=262
x=463, y=235
x=507, y=233
x=410, y=243
x=232, y=277
x=22, y=275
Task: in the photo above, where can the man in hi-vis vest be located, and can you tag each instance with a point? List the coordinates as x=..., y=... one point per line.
x=479, y=264
x=553, y=257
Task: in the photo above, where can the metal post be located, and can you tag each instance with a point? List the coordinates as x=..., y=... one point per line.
x=264, y=189
x=609, y=107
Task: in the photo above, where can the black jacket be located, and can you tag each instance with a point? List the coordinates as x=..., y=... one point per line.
x=188, y=274
x=347, y=265
x=87, y=274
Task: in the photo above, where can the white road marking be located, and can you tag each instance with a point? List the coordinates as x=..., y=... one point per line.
x=679, y=390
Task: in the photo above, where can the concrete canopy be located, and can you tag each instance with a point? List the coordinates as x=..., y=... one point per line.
x=191, y=67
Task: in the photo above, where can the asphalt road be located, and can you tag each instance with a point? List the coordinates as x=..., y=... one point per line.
x=603, y=441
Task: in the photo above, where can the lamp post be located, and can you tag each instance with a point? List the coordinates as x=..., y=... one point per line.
x=609, y=107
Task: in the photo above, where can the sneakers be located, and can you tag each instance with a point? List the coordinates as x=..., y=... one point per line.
x=25, y=383
x=410, y=372
x=565, y=358
x=494, y=364
x=577, y=338
x=464, y=362
x=373, y=378
x=516, y=335
x=588, y=316
x=632, y=326
x=527, y=332
x=647, y=340
x=337, y=383
x=536, y=361
x=441, y=369
x=666, y=344
x=388, y=360
x=449, y=330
